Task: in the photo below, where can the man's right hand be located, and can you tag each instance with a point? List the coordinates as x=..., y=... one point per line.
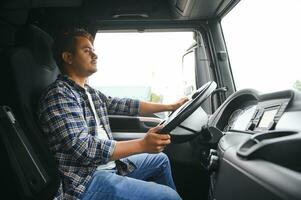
x=155, y=142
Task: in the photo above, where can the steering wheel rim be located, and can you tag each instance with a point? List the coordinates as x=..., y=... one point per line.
x=183, y=112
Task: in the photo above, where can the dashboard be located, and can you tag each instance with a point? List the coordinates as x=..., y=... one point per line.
x=259, y=148
x=240, y=118
x=251, y=112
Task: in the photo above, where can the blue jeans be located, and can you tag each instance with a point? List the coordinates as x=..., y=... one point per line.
x=151, y=180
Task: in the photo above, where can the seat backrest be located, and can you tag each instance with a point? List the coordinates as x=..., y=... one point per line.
x=32, y=64
x=31, y=70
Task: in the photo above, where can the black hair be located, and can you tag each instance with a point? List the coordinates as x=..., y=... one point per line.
x=66, y=41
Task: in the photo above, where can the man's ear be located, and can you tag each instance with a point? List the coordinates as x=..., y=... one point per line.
x=67, y=57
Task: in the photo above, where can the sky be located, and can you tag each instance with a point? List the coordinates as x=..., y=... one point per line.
x=263, y=39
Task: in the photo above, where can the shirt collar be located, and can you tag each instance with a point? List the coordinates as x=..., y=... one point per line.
x=71, y=82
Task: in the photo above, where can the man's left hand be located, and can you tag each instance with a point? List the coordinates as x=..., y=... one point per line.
x=178, y=103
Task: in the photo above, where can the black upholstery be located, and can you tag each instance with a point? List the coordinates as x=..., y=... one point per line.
x=32, y=65
x=31, y=70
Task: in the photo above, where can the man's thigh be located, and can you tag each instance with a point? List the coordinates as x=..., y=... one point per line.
x=106, y=184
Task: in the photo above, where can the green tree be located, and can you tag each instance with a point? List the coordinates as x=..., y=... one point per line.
x=297, y=85
x=157, y=98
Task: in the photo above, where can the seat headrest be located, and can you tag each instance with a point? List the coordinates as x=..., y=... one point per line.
x=35, y=39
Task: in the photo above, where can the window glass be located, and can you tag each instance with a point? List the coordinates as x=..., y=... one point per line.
x=189, y=81
x=145, y=66
x=263, y=41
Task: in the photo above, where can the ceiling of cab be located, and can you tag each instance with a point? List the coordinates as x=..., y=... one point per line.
x=64, y=11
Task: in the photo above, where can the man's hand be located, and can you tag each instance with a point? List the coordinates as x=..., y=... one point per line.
x=155, y=142
x=178, y=103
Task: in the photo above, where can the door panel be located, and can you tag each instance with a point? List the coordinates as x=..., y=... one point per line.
x=132, y=124
x=131, y=127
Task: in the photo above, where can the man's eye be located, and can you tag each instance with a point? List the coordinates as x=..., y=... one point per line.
x=89, y=50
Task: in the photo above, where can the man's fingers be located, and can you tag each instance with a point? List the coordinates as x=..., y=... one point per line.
x=164, y=136
x=157, y=142
x=164, y=142
x=156, y=129
x=160, y=137
x=184, y=99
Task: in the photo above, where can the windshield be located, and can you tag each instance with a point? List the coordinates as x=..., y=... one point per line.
x=145, y=66
x=263, y=41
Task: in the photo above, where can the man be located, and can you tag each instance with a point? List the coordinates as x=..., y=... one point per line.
x=74, y=117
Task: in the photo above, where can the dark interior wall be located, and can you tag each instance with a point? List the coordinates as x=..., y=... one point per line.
x=12, y=15
x=7, y=42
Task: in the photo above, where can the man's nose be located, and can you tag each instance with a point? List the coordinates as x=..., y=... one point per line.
x=94, y=55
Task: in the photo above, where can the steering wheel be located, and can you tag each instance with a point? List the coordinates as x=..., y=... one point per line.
x=187, y=121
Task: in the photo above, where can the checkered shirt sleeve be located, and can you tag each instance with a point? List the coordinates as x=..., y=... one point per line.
x=122, y=106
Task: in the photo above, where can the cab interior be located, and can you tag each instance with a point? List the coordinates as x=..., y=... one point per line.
x=246, y=146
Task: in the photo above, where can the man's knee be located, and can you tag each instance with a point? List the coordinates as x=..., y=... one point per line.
x=170, y=194
x=163, y=157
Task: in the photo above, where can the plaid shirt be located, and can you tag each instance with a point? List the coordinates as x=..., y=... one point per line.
x=67, y=119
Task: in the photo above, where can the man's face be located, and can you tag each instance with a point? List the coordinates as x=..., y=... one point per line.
x=84, y=60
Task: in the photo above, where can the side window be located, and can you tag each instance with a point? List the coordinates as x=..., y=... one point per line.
x=263, y=41
x=145, y=66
